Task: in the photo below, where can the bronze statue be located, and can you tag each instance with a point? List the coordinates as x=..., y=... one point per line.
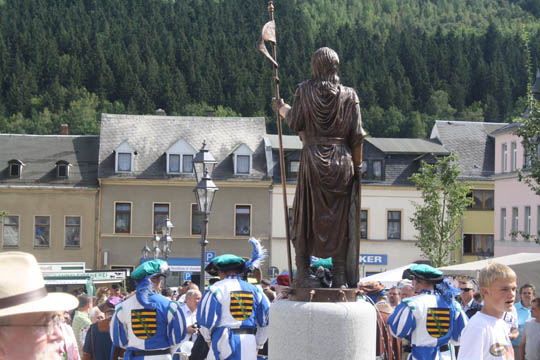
x=326, y=207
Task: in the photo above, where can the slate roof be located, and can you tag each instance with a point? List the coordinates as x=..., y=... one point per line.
x=407, y=146
x=290, y=142
x=40, y=153
x=473, y=144
x=151, y=135
x=401, y=157
x=505, y=129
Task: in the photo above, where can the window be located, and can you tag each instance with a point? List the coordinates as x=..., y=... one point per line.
x=537, y=221
x=482, y=200
x=62, y=169
x=394, y=225
x=290, y=213
x=196, y=220
x=372, y=170
x=526, y=160
x=124, y=162
x=187, y=164
x=377, y=170
x=243, y=220
x=42, y=227
x=161, y=213
x=124, y=157
x=174, y=163
x=513, y=154
x=514, y=222
x=243, y=157
x=503, y=223
x=504, y=159
x=242, y=166
x=10, y=232
x=180, y=158
x=294, y=166
x=122, y=218
x=478, y=244
x=365, y=165
x=363, y=224
x=15, y=168
x=73, y=231
x=527, y=225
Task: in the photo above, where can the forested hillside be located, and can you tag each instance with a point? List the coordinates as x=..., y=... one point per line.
x=411, y=61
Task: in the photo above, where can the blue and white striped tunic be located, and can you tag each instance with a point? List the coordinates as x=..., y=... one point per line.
x=429, y=321
x=233, y=303
x=135, y=328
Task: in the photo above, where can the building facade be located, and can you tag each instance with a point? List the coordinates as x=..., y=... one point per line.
x=48, y=193
x=474, y=146
x=517, y=208
x=146, y=175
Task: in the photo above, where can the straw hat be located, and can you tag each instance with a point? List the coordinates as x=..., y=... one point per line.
x=22, y=288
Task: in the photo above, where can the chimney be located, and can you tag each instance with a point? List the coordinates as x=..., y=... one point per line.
x=64, y=129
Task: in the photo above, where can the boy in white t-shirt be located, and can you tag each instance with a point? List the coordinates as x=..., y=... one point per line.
x=486, y=335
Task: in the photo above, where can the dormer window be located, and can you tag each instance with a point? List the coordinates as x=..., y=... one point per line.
x=62, y=169
x=243, y=160
x=180, y=158
x=124, y=158
x=15, y=168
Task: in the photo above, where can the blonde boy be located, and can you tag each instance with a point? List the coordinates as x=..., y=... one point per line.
x=486, y=335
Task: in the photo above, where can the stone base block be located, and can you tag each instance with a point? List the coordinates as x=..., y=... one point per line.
x=321, y=331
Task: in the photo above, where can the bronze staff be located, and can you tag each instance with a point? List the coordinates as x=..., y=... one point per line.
x=269, y=34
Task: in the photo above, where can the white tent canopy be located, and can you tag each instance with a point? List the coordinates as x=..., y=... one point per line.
x=526, y=266
x=388, y=278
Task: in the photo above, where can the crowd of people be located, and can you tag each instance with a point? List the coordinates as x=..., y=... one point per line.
x=424, y=316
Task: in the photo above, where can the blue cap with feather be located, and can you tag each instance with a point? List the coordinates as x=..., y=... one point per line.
x=143, y=275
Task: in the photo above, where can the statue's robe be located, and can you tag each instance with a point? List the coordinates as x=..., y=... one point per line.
x=328, y=119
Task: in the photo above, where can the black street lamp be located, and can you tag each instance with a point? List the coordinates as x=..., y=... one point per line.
x=205, y=192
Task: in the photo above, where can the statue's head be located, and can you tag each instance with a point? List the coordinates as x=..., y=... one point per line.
x=325, y=65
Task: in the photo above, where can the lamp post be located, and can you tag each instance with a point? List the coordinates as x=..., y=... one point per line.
x=205, y=191
x=161, y=246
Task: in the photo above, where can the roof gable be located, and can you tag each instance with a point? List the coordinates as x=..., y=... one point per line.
x=181, y=146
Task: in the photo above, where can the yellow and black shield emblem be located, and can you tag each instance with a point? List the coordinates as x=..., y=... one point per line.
x=438, y=322
x=241, y=305
x=143, y=323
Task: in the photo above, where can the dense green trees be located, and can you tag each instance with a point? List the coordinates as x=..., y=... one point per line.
x=411, y=61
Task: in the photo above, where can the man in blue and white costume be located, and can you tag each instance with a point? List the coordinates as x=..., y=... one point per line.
x=148, y=324
x=431, y=320
x=233, y=314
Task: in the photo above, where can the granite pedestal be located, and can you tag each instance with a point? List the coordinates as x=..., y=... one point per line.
x=321, y=330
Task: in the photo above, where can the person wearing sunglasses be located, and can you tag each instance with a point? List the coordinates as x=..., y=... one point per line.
x=469, y=305
x=29, y=320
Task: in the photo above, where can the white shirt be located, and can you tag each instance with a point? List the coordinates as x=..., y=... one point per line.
x=191, y=318
x=485, y=338
x=511, y=319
